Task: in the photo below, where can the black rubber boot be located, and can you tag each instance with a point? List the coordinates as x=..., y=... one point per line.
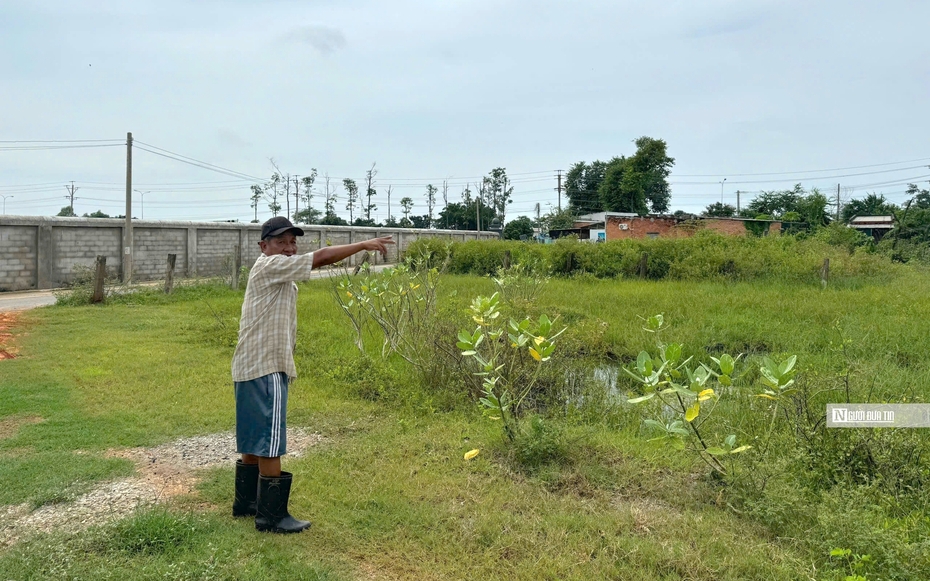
x=272, y=516
x=246, y=489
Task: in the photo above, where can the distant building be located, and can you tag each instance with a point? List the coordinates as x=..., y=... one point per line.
x=621, y=225
x=874, y=226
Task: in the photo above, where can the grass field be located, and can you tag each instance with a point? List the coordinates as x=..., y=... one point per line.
x=390, y=494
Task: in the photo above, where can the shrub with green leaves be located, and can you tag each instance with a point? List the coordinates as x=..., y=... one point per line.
x=508, y=355
x=705, y=256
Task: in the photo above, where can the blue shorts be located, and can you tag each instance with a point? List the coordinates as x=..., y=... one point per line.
x=261, y=408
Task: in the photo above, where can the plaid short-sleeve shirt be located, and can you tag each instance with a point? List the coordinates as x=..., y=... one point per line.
x=268, y=327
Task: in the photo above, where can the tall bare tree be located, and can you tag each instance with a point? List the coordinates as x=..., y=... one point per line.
x=370, y=191
x=352, y=197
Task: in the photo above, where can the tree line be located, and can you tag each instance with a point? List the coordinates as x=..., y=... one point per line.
x=293, y=196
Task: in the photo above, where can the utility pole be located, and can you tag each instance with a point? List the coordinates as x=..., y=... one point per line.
x=4, y=202
x=478, y=209
x=296, y=197
x=837, y=202
x=127, y=230
x=721, y=190
x=389, y=202
x=287, y=197
x=737, y=203
x=559, y=187
x=71, y=190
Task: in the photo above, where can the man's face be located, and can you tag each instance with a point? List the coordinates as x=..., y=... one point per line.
x=285, y=244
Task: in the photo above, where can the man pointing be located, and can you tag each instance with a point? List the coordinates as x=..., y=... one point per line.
x=263, y=364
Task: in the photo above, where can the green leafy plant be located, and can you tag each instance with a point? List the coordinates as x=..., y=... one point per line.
x=686, y=395
x=509, y=356
x=520, y=285
x=856, y=565
x=399, y=302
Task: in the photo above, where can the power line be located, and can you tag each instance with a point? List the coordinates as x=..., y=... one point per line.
x=52, y=147
x=119, y=141
x=193, y=161
x=803, y=171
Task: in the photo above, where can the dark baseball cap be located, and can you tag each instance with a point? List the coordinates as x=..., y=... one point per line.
x=277, y=226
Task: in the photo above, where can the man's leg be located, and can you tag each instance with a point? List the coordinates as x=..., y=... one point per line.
x=270, y=467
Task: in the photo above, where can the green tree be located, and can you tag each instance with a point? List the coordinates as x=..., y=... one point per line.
x=463, y=215
x=582, y=185
x=557, y=220
x=812, y=209
x=420, y=221
x=308, y=215
x=719, y=210
x=651, y=165
x=258, y=192
x=495, y=192
x=430, y=203
x=406, y=204
x=67, y=211
x=333, y=220
x=351, y=197
x=636, y=184
x=623, y=190
x=329, y=198
x=775, y=203
x=97, y=214
x=370, y=191
x=921, y=197
x=871, y=205
x=517, y=229
x=272, y=191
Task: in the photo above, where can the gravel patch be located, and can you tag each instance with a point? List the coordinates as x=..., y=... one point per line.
x=163, y=472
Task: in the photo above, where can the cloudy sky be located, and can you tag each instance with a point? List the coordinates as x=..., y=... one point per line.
x=449, y=89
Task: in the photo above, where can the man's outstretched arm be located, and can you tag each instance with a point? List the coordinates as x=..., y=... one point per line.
x=332, y=254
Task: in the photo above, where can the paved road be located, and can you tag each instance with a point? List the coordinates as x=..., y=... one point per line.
x=22, y=300
x=19, y=301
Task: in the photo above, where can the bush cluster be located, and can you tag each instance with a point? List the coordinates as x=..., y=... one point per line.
x=705, y=256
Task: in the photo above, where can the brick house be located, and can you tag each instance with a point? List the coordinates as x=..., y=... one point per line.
x=621, y=225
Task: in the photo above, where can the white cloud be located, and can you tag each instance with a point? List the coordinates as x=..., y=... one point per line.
x=324, y=39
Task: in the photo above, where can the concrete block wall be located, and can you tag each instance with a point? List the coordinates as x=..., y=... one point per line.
x=41, y=252
x=76, y=246
x=152, y=247
x=215, y=250
x=18, y=257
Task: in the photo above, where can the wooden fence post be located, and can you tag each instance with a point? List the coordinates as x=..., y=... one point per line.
x=365, y=257
x=506, y=260
x=644, y=265
x=236, y=267
x=825, y=272
x=99, y=277
x=169, y=274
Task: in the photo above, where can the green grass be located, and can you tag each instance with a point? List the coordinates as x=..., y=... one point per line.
x=390, y=494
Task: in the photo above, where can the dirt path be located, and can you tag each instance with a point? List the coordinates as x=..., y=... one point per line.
x=7, y=322
x=162, y=473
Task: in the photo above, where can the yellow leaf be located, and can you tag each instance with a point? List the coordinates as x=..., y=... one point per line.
x=706, y=393
x=535, y=354
x=471, y=453
x=766, y=396
x=693, y=412
x=539, y=340
x=348, y=293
